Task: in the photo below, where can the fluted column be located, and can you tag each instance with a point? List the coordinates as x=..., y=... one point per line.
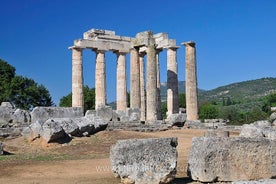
x=158, y=95
x=121, y=81
x=151, y=84
x=135, y=96
x=191, y=82
x=142, y=87
x=77, y=78
x=100, y=91
x=172, y=82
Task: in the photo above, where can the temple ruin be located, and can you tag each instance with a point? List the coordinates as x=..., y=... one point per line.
x=144, y=44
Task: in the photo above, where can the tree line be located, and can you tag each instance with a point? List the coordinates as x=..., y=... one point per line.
x=23, y=92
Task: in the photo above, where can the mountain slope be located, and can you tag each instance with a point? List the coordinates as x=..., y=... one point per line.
x=241, y=91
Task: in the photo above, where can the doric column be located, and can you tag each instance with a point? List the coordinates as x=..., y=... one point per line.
x=158, y=85
x=77, y=78
x=135, y=96
x=172, y=82
x=100, y=91
x=191, y=82
x=121, y=81
x=142, y=86
x=151, y=84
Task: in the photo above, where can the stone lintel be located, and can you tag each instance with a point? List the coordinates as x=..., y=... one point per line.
x=143, y=39
x=95, y=32
x=188, y=43
x=162, y=40
x=106, y=45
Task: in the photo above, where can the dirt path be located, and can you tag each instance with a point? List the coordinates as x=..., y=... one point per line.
x=83, y=160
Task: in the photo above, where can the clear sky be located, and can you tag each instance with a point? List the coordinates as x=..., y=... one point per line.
x=235, y=39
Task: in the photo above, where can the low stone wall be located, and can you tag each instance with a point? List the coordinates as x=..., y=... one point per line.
x=44, y=113
x=144, y=160
x=138, y=126
x=231, y=159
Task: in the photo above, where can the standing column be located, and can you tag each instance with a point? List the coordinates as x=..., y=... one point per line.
x=151, y=84
x=121, y=82
x=191, y=82
x=100, y=91
x=158, y=95
x=135, y=98
x=142, y=87
x=77, y=78
x=172, y=82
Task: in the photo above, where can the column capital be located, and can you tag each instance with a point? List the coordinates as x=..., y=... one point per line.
x=157, y=51
x=188, y=43
x=98, y=50
x=173, y=48
x=75, y=48
x=117, y=52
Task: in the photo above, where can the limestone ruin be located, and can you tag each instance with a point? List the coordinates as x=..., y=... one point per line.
x=145, y=43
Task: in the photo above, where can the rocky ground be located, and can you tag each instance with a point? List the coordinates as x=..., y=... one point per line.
x=83, y=160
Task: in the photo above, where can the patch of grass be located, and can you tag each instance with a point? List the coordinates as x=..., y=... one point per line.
x=3, y=158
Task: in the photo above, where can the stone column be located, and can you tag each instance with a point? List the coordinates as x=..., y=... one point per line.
x=121, y=81
x=158, y=85
x=191, y=82
x=151, y=84
x=172, y=82
x=135, y=96
x=100, y=79
x=142, y=87
x=77, y=78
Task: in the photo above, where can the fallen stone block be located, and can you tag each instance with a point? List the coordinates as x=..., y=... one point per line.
x=105, y=112
x=99, y=123
x=272, y=117
x=231, y=159
x=262, y=123
x=6, y=113
x=257, y=130
x=68, y=125
x=52, y=131
x=33, y=131
x=176, y=119
x=144, y=160
x=45, y=113
x=21, y=116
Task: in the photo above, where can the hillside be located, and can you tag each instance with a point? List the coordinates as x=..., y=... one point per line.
x=241, y=91
x=245, y=95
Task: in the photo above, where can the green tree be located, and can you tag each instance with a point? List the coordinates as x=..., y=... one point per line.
x=268, y=102
x=164, y=110
x=182, y=100
x=208, y=111
x=25, y=93
x=228, y=101
x=7, y=72
x=89, y=99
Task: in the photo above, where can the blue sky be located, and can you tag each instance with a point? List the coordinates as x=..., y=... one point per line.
x=235, y=39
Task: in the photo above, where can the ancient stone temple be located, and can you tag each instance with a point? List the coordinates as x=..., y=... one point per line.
x=144, y=86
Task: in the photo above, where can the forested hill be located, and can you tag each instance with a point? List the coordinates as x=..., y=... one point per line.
x=237, y=92
x=241, y=91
